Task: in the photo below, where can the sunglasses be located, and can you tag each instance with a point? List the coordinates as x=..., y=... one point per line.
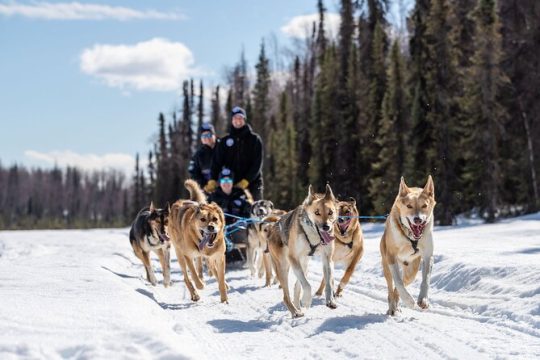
x=226, y=181
x=206, y=136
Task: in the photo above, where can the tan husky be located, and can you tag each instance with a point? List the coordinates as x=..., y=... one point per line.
x=299, y=234
x=197, y=230
x=406, y=241
x=349, y=246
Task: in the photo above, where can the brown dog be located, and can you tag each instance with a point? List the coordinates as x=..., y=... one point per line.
x=349, y=246
x=197, y=230
x=406, y=241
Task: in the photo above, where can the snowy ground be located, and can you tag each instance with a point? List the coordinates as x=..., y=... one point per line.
x=81, y=294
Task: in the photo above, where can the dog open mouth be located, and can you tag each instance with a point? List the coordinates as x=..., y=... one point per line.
x=326, y=237
x=207, y=239
x=164, y=238
x=417, y=229
x=343, y=225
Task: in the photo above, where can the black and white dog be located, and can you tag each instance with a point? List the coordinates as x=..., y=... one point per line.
x=256, y=243
x=149, y=233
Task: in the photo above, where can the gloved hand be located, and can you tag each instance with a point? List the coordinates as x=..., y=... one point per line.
x=210, y=186
x=242, y=184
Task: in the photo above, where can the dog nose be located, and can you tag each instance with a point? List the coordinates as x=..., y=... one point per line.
x=211, y=228
x=417, y=220
x=325, y=227
x=340, y=220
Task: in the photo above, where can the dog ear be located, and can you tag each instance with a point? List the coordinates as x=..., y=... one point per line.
x=310, y=196
x=352, y=201
x=429, y=189
x=403, y=188
x=167, y=210
x=152, y=208
x=329, y=195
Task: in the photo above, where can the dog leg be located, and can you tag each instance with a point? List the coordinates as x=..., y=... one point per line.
x=301, y=276
x=198, y=282
x=281, y=266
x=321, y=287
x=297, y=292
x=165, y=266
x=427, y=265
x=221, y=279
x=396, y=276
x=200, y=270
x=189, y=284
x=328, y=270
x=260, y=262
x=267, y=269
x=251, y=259
x=393, y=308
x=348, y=273
x=150, y=276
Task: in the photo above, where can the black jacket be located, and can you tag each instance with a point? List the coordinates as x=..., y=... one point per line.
x=236, y=203
x=242, y=152
x=200, y=165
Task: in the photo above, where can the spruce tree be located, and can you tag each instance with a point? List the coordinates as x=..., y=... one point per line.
x=485, y=113
x=392, y=138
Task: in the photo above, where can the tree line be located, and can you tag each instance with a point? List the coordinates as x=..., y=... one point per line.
x=62, y=198
x=454, y=97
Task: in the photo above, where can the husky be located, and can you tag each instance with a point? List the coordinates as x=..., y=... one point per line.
x=349, y=246
x=149, y=233
x=198, y=231
x=257, y=244
x=408, y=240
x=299, y=234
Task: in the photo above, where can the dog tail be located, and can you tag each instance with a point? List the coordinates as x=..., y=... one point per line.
x=195, y=191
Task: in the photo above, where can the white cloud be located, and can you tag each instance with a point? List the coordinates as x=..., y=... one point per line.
x=301, y=26
x=157, y=64
x=119, y=161
x=80, y=11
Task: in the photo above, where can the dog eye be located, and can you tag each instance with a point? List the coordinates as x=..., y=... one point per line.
x=317, y=212
x=203, y=219
x=214, y=219
x=330, y=213
x=424, y=206
x=409, y=206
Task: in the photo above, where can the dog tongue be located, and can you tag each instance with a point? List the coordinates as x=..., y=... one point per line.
x=204, y=241
x=163, y=237
x=326, y=237
x=344, y=225
x=417, y=230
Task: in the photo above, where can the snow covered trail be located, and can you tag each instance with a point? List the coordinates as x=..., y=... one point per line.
x=81, y=294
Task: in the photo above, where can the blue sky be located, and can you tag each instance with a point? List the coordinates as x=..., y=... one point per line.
x=57, y=105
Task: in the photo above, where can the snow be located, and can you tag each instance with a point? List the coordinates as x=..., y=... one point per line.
x=81, y=295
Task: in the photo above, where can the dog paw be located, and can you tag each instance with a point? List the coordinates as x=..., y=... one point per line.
x=331, y=305
x=166, y=284
x=306, y=302
x=225, y=301
x=297, y=315
x=339, y=292
x=199, y=285
x=423, y=303
x=409, y=302
x=393, y=312
x=318, y=293
x=195, y=297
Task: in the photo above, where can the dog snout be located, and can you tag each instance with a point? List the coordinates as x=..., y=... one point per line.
x=326, y=227
x=211, y=228
x=417, y=220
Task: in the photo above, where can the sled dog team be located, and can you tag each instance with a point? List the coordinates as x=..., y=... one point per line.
x=279, y=241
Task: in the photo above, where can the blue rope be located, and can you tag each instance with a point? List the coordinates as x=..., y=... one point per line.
x=381, y=217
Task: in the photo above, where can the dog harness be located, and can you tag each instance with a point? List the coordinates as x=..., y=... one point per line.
x=306, y=226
